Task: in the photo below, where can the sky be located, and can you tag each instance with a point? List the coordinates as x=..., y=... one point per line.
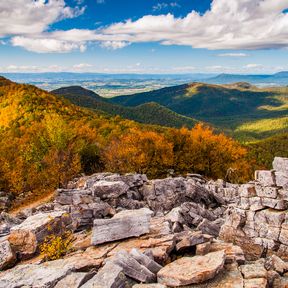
x=144, y=36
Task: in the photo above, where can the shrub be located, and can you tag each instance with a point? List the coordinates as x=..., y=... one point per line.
x=54, y=247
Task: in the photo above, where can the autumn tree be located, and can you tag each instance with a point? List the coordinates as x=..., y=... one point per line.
x=201, y=150
x=139, y=151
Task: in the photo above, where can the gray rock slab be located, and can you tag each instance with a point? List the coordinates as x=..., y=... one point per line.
x=125, y=224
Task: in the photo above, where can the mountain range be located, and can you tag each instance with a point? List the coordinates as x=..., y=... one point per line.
x=148, y=113
x=240, y=109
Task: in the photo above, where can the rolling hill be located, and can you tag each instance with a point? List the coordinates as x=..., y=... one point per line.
x=45, y=141
x=250, y=113
x=279, y=79
x=148, y=113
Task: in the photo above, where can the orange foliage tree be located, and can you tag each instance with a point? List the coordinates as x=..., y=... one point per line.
x=200, y=150
x=139, y=151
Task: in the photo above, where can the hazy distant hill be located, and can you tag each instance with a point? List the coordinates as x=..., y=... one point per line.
x=280, y=78
x=247, y=111
x=149, y=113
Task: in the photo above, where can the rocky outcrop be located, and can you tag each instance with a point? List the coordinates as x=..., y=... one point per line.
x=191, y=270
x=7, y=255
x=26, y=237
x=33, y=275
x=110, y=276
x=259, y=222
x=137, y=265
x=123, y=225
x=132, y=232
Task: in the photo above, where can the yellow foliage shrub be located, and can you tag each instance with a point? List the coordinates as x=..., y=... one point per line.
x=54, y=247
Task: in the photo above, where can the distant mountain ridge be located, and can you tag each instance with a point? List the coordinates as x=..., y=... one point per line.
x=280, y=78
x=148, y=113
x=241, y=108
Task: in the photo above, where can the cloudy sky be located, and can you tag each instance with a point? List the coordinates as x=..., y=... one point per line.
x=144, y=36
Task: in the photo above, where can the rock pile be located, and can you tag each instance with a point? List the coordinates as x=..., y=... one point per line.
x=259, y=223
x=132, y=232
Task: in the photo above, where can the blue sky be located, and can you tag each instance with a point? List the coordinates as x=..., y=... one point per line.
x=151, y=36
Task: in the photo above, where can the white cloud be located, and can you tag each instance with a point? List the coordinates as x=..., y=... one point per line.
x=19, y=17
x=233, y=55
x=228, y=25
x=100, y=1
x=43, y=45
x=233, y=24
x=252, y=65
x=82, y=66
x=113, y=45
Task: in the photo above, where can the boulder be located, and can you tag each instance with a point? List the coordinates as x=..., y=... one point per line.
x=268, y=192
x=276, y=263
x=164, y=194
x=280, y=164
x=145, y=260
x=265, y=177
x=159, y=247
x=125, y=224
x=7, y=221
x=192, y=270
x=110, y=276
x=26, y=237
x=132, y=268
x=255, y=283
x=256, y=270
x=74, y=280
x=109, y=189
x=73, y=196
x=190, y=239
x=247, y=190
x=7, y=255
x=159, y=226
x=230, y=277
x=282, y=179
x=233, y=253
x=32, y=275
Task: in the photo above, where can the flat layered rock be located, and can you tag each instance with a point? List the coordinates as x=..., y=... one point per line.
x=109, y=189
x=32, y=275
x=146, y=261
x=160, y=248
x=125, y=224
x=265, y=177
x=7, y=255
x=26, y=237
x=192, y=239
x=132, y=268
x=280, y=164
x=110, y=276
x=256, y=270
x=255, y=283
x=74, y=280
x=192, y=270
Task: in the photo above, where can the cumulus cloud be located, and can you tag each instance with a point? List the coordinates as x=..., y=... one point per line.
x=20, y=17
x=233, y=55
x=42, y=45
x=113, y=45
x=233, y=24
x=228, y=25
